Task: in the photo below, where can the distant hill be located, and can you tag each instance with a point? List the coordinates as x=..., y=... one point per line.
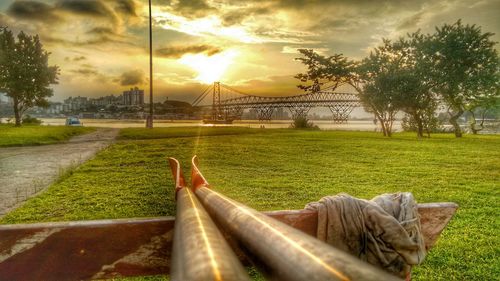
x=176, y=103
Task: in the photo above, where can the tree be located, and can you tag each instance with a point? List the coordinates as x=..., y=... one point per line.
x=480, y=107
x=380, y=102
x=25, y=75
x=463, y=65
x=339, y=70
x=336, y=69
x=393, y=80
x=430, y=122
x=412, y=85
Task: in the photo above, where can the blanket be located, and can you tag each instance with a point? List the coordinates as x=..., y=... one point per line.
x=384, y=231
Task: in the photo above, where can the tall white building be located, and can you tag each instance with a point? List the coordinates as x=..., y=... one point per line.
x=133, y=97
x=76, y=103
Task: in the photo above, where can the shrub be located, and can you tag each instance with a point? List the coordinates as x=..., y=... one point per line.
x=301, y=122
x=31, y=120
x=431, y=124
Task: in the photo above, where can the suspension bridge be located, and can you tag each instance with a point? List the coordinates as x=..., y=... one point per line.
x=228, y=103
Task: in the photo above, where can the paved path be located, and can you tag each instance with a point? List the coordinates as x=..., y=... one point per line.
x=25, y=171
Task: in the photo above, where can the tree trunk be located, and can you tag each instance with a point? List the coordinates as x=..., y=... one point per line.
x=474, y=121
x=388, y=128
x=420, y=126
x=17, y=113
x=388, y=124
x=381, y=121
x=453, y=121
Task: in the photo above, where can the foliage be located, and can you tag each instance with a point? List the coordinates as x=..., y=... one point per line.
x=377, y=96
x=301, y=122
x=37, y=135
x=338, y=70
x=24, y=72
x=31, y=120
x=464, y=67
x=132, y=179
x=395, y=80
x=430, y=123
x=482, y=108
x=335, y=69
x=493, y=112
x=458, y=64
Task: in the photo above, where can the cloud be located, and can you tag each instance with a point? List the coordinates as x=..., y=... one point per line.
x=80, y=58
x=76, y=58
x=96, y=36
x=100, y=30
x=410, y=22
x=88, y=72
x=127, y=7
x=193, y=8
x=33, y=10
x=3, y=20
x=270, y=86
x=85, y=71
x=237, y=16
x=87, y=42
x=132, y=77
x=94, y=8
x=113, y=34
x=178, y=51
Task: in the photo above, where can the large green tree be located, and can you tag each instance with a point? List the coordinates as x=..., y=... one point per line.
x=393, y=80
x=377, y=94
x=464, y=66
x=25, y=75
x=335, y=70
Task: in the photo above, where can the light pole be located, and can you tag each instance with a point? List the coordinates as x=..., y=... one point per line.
x=149, y=121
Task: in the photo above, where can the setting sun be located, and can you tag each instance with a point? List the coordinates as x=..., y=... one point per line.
x=209, y=68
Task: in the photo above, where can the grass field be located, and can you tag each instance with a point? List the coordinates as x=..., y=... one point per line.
x=286, y=169
x=37, y=135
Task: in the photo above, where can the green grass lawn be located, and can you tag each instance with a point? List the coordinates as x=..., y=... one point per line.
x=37, y=135
x=179, y=132
x=286, y=169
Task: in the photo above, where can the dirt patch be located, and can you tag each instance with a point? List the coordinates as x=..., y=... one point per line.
x=26, y=171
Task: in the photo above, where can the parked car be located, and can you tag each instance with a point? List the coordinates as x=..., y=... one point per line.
x=73, y=121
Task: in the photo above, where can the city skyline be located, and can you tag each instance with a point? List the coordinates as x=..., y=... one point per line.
x=101, y=46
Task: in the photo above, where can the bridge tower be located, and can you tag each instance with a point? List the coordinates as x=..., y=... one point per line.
x=217, y=113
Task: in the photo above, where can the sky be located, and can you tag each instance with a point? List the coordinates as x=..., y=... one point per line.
x=101, y=46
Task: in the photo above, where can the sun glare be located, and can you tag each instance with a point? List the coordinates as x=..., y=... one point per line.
x=209, y=68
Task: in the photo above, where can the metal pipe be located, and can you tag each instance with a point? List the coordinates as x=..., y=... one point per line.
x=149, y=122
x=200, y=252
x=290, y=253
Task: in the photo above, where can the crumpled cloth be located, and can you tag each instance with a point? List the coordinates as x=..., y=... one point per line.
x=384, y=231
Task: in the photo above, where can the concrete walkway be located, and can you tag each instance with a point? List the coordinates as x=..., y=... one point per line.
x=26, y=171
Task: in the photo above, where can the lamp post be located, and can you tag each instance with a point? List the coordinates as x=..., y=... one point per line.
x=149, y=121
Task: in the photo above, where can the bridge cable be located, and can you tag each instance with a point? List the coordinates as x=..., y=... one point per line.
x=202, y=96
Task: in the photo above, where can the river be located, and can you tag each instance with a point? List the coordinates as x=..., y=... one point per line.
x=352, y=125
